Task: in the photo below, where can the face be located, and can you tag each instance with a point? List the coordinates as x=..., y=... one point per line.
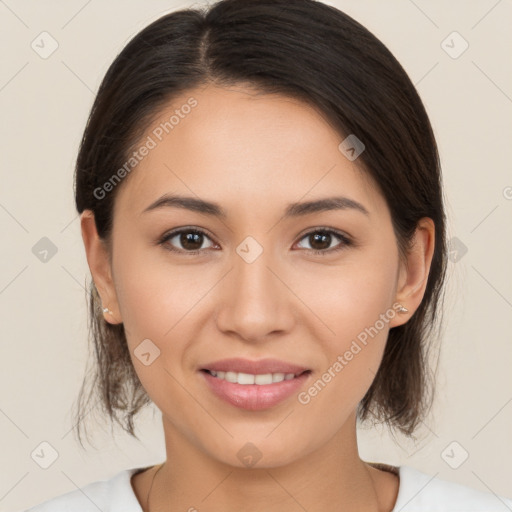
x=307, y=292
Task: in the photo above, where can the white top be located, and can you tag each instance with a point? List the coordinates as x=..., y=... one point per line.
x=418, y=492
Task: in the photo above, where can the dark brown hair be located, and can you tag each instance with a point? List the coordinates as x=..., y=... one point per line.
x=300, y=48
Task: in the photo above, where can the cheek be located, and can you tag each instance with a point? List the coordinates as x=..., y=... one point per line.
x=355, y=306
x=159, y=302
x=351, y=296
x=153, y=294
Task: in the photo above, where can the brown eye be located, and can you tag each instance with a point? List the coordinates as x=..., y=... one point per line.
x=320, y=241
x=186, y=240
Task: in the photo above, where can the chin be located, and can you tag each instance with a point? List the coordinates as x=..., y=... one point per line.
x=259, y=453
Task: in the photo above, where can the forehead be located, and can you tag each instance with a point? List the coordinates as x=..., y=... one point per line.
x=243, y=149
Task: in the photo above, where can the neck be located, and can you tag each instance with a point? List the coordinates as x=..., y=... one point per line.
x=330, y=478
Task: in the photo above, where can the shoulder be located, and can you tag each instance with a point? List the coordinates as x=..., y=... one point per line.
x=114, y=494
x=420, y=492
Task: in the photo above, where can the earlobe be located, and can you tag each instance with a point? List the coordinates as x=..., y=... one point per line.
x=99, y=265
x=414, y=272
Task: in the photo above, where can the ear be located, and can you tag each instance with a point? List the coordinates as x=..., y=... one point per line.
x=99, y=265
x=413, y=273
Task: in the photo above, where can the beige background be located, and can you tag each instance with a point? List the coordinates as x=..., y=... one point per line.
x=45, y=103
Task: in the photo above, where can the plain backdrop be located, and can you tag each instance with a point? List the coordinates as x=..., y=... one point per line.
x=45, y=103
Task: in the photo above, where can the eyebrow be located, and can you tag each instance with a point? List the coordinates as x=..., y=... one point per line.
x=292, y=210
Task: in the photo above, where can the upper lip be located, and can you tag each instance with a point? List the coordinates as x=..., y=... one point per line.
x=262, y=366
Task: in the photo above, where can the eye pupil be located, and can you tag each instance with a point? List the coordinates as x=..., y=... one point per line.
x=321, y=238
x=188, y=239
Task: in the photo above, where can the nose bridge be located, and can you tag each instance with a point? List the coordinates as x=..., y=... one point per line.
x=255, y=284
x=254, y=303
x=251, y=269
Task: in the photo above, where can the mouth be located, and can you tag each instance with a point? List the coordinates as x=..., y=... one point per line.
x=254, y=385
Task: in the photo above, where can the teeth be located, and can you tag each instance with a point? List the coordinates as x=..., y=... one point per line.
x=263, y=379
x=249, y=378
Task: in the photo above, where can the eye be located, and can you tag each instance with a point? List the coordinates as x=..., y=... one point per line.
x=190, y=239
x=320, y=241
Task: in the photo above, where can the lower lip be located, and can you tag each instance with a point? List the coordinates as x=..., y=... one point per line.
x=254, y=397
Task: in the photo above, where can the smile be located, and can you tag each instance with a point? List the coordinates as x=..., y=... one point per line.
x=254, y=391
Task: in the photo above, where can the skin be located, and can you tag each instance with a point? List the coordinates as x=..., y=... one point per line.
x=253, y=154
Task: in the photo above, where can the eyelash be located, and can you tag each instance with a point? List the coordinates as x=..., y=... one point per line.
x=346, y=242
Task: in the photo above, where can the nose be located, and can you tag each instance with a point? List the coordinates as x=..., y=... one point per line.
x=256, y=301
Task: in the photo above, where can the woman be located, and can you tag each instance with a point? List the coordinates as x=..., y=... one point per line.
x=262, y=213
